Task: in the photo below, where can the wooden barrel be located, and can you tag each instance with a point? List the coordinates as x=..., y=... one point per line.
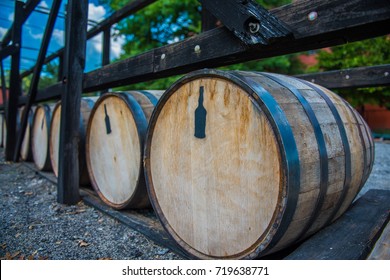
x=1, y=129
x=239, y=164
x=40, y=137
x=114, y=146
x=25, y=150
x=86, y=106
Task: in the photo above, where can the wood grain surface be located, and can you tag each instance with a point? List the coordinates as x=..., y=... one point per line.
x=114, y=146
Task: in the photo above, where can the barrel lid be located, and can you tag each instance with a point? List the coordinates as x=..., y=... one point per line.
x=114, y=145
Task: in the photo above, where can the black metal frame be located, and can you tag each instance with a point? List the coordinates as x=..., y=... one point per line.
x=307, y=25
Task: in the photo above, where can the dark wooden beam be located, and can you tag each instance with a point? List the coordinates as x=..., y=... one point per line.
x=106, y=46
x=7, y=51
x=208, y=20
x=117, y=16
x=28, y=8
x=371, y=76
x=36, y=75
x=129, y=9
x=315, y=24
x=248, y=20
x=15, y=83
x=50, y=93
x=74, y=63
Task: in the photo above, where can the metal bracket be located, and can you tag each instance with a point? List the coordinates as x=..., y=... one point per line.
x=249, y=21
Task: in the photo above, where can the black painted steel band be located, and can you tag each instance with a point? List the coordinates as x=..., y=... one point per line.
x=323, y=153
x=371, y=143
x=347, y=150
x=153, y=99
x=289, y=150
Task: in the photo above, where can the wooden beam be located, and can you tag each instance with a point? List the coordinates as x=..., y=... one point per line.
x=353, y=235
x=129, y=9
x=36, y=75
x=106, y=46
x=28, y=8
x=15, y=85
x=51, y=92
x=117, y=16
x=74, y=63
x=7, y=51
x=315, y=24
x=208, y=20
x=248, y=21
x=371, y=76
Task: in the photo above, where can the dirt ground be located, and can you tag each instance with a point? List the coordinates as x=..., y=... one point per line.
x=34, y=226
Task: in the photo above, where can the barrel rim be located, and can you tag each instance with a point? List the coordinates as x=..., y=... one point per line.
x=51, y=152
x=141, y=124
x=46, y=109
x=260, y=246
x=30, y=117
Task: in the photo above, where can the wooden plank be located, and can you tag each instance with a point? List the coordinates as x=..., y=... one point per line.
x=352, y=236
x=74, y=63
x=381, y=250
x=371, y=76
x=219, y=47
x=36, y=75
x=15, y=83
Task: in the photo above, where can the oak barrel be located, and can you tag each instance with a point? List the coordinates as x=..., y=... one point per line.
x=239, y=164
x=26, y=150
x=1, y=129
x=40, y=136
x=86, y=105
x=114, y=147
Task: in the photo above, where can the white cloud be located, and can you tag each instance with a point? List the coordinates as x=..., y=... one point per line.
x=44, y=4
x=3, y=31
x=11, y=16
x=116, y=46
x=96, y=13
x=35, y=36
x=58, y=36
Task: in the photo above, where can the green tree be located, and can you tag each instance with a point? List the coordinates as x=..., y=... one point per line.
x=362, y=53
x=167, y=21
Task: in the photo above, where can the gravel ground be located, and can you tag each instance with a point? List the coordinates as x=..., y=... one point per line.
x=34, y=226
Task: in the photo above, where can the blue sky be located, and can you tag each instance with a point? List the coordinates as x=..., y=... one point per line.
x=34, y=27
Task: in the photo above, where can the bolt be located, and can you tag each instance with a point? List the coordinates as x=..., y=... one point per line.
x=347, y=77
x=312, y=16
x=386, y=74
x=254, y=27
x=163, y=56
x=312, y=80
x=197, y=49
